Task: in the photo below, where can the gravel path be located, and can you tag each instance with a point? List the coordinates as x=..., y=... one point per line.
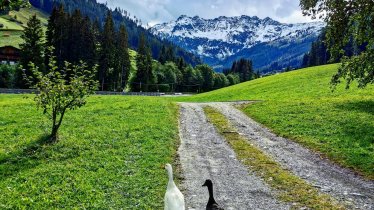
x=204, y=154
x=321, y=173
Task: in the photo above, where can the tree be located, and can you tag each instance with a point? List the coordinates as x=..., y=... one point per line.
x=162, y=55
x=57, y=33
x=32, y=48
x=107, y=61
x=7, y=73
x=62, y=90
x=144, y=74
x=233, y=79
x=318, y=54
x=123, y=57
x=351, y=20
x=220, y=81
x=75, y=39
x=88, y=46
x=208, y=78
x=166, y=75
x=243, y=68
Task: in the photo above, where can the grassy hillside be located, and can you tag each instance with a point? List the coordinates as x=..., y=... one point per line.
x=301, y=106
x=109, y=155
x=14, y=24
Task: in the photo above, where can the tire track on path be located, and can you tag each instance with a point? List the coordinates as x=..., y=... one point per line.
x=204, y=154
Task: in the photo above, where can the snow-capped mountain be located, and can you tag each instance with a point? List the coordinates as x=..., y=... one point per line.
x=221, y=40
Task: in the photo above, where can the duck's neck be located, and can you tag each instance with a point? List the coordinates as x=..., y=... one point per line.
x=211, y=198
x=171, y=183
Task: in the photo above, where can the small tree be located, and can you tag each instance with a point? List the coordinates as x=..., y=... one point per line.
x=63, y=89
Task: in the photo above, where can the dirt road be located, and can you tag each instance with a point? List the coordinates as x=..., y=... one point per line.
x=204, y=154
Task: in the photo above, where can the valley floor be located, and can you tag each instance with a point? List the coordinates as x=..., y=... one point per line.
x=205, y=154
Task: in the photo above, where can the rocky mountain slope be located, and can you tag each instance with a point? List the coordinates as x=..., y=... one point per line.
x=270, y=44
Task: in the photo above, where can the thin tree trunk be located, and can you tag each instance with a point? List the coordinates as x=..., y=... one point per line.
x=55, y=127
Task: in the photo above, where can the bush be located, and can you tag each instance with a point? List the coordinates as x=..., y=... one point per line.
x=7, y=75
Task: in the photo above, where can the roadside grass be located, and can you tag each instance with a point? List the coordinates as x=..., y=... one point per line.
x=300, y=105
x=108, y=157
x=289, y=187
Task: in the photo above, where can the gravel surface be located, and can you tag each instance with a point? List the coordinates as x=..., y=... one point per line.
x=204, y=154
x=341, y=183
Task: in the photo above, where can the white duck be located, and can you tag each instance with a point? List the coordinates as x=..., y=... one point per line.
x=174, y=199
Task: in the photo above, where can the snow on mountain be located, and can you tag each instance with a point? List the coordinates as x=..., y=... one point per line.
x=223, y=37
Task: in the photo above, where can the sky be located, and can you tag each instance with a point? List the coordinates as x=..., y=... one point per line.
x=160, y=11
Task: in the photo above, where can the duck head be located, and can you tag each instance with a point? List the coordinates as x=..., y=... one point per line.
x=208, y=183
x=168, y=167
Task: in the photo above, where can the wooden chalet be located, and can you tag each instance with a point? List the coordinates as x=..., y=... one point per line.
x=9, y=54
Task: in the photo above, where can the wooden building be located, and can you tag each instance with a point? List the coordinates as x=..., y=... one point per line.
x=9, y=54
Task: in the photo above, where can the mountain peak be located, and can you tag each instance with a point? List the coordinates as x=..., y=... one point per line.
x=182, y=17
x=219, y=38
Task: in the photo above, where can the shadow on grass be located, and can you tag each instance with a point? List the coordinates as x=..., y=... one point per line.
x=358, y=129
x=358, y=134
x=30, y=156
x=362, y=106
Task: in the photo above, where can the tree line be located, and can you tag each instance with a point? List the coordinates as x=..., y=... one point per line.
x=74, y=38
x=319, y=53
x=171, y=73
x=98, y=12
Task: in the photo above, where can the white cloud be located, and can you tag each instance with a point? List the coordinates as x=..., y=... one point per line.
x=158, y=11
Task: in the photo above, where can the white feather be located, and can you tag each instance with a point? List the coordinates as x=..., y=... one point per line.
x=174, y=199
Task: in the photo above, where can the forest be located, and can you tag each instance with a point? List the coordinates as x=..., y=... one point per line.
x=74, y=38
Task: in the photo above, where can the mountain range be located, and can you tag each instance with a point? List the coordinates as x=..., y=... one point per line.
x=271, y=45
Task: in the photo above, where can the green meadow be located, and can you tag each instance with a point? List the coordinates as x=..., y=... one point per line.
x=300, y=105
x=12, y=29
x=108, y=157
x=10, y=37
x=110, y=151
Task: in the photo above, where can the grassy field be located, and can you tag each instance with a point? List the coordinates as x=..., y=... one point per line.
x=10, y=37
x=301, y=106
x=24, y=14
x=10, y=34
x=108, y=157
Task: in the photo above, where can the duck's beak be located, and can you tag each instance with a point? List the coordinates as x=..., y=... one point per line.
x=204, y=185
x=162, y=166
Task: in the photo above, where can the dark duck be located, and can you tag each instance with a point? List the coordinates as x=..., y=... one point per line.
x=212, y=204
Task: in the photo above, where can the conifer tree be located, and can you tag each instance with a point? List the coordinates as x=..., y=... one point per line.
x=144, y=74
x=32, y=48
x=123, y=57
x=88, y=46
x=162, y=55
x=107, y=60
x=75, y=39
x=57, y=33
